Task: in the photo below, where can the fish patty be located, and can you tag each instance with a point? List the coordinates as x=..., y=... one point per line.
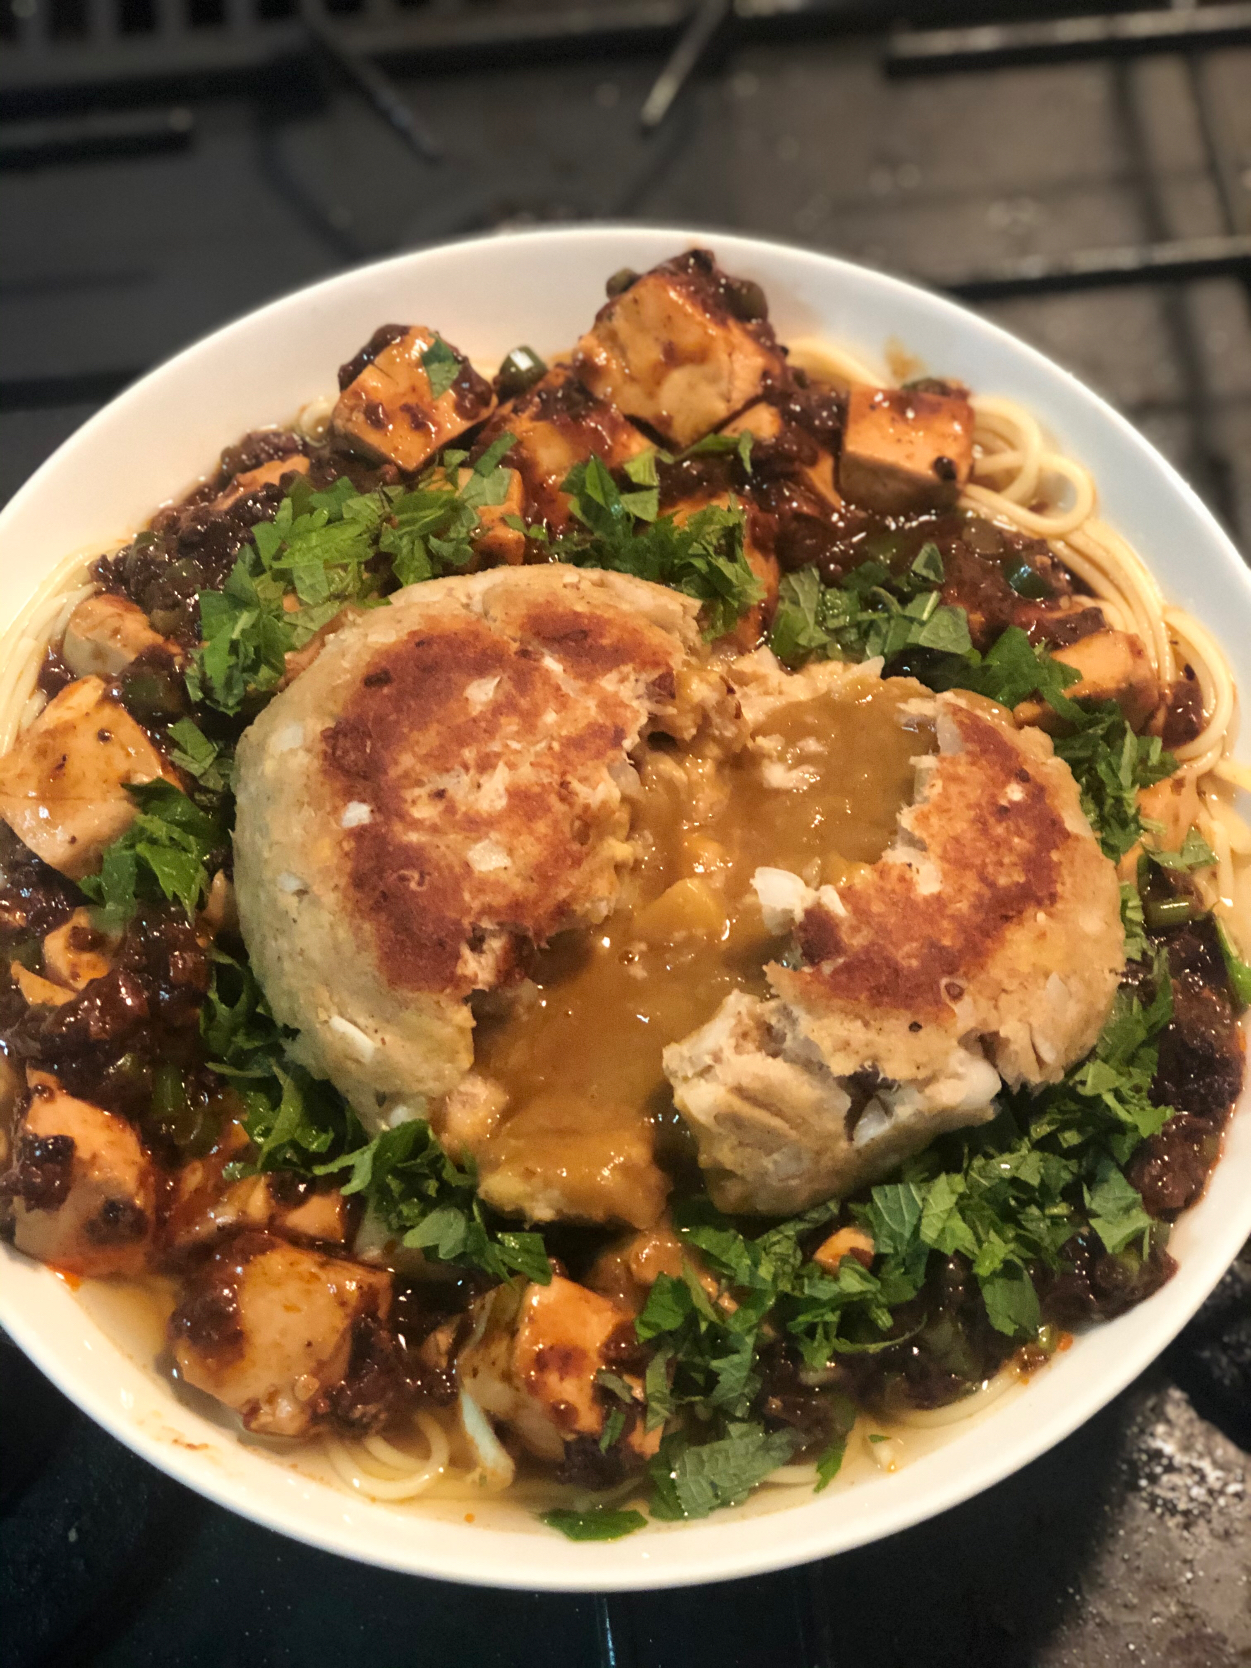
x=441, y=789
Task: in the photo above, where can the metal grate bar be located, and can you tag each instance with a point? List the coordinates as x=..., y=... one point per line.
x=1084, y=269
x=249, y=44
x=992, y=45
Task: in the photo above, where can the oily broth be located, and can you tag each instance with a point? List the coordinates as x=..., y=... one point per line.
x=579, y=1053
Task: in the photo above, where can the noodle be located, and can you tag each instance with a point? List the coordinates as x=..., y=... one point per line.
x=934, y=1418
x=25, y=643
x=827, y=363
x=378, y=1469
x=1011, y=461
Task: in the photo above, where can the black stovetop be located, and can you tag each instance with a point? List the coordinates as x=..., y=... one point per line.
x=142, y=213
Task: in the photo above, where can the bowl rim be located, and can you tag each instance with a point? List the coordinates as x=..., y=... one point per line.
x=714, y=1549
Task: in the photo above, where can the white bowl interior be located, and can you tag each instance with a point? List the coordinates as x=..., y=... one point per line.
x=541, y=288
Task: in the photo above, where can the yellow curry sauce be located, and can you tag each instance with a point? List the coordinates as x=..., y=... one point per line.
x=579, y=1052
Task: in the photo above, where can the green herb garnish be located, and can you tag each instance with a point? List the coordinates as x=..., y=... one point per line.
x=441, y=365
x=164, y=854
x=600, y=1523
x=703, y=557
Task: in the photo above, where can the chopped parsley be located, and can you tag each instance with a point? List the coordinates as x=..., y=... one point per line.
x=418, y=1192
x=324, y=551
x=703, y=556
x=1195, y=853
x=600, y=1523
x=211, y=763
x=693, y=1479
x=830, y=1463
x=441, y=365
x=166, y=853
x=1111, y=763
x=873, y=612
x=315, y=551
x=298, y=1122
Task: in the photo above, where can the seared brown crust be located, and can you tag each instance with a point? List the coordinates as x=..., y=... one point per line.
x=898, y=950
x=408, y=877
x=441, y=789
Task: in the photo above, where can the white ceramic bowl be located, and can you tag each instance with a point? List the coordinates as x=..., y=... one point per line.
x=541, y=288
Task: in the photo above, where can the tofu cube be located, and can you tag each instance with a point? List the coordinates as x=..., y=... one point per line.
x=389, y=411
x=63, y=786
x=84, y=1191
x=265, y=474
x=559, y=1348
x=267, y=1328
x=675, y=351
x=105, y=634
x=905, y=449
x=1114, y=667
x=556, y=424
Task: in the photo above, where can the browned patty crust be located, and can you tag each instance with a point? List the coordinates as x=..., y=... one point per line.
x=999, y=839
x=407, y=721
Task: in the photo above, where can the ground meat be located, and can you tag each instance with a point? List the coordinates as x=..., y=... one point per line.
x=1093, y=1284
x=132, y=1028
x=120, y=1222
x=947, y=1344
x=54, y=674
x=979, y=561
x=818, y=1415
x=42, y=1171
x=208, y=1315
x=587, y=1466
x=259, y=447
x=34, y=899
x=385, y=1378
x=818, y=411
x=623, y=1352
x=1200, y=1050
x=381, y=339
x=1171, y=1169
x=977, y=566
x=1181, y=717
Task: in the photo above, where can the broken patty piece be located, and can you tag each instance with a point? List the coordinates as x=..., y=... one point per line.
x=778, y=1131
x=676, y=351
x=409, y=398
x=556, y=424
x=905, y=449
x=985, y=944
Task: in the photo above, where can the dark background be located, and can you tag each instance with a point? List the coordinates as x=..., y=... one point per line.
x=163, y=169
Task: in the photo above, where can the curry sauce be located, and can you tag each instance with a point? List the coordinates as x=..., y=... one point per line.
x=578, y=1052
